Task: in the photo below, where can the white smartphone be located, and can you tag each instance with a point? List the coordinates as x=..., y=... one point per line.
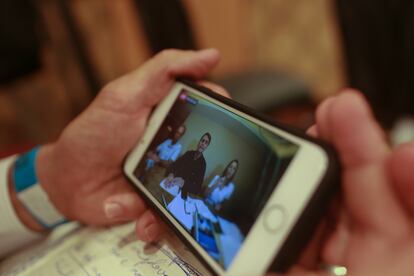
x=239, y=190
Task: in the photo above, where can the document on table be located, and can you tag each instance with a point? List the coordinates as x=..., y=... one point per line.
x=77, y=251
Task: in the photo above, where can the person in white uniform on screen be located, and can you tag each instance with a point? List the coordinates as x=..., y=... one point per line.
x=221, y=187
x=166, y=152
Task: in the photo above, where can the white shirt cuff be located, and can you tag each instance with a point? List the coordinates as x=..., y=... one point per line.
x=13, y=234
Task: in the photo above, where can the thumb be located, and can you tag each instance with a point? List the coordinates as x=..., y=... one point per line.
x=401, y=170
x=146, y=86
x=123, y=207
x=170, y=64
x=363, y=151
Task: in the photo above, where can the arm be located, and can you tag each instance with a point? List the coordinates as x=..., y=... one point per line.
x=225, y=195
x=196, y=181
x=176, y=153
x=173, y=157
x=229, y=191
x=156, y=155
x=174, y=169
x=175, y=166
x=213, y=181
x=212, y=185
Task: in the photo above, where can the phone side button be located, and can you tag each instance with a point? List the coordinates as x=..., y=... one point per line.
x=274, y=218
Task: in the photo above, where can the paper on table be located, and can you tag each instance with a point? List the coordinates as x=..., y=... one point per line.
x=110, y=251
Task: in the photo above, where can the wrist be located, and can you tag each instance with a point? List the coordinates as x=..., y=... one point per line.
x=22, y=213
x=51, y=176
x=45, y=168
x=31, y=194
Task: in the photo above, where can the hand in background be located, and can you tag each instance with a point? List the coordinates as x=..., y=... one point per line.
x=153, y=156
x=374, y=233
x=82, y=170
x=178, y=181
x=168, y=180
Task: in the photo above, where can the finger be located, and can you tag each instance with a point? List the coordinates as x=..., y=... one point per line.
x=310, y=256
x=123, y=207
x=148, y=227
x=401, y=171
x=336, y=243
x=170, y=64
x=313, y=131
x=215, y=88
x=194, y=64
x=362, y=149
x=114, y=202
x=156, y=77
x=322, y=118
x=355, y=131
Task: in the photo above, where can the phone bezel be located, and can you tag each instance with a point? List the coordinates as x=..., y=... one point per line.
x=321, y=171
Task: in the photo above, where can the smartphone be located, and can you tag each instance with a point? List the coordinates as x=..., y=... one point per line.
x=241, y=191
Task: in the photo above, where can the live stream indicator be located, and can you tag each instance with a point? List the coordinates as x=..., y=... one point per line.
x=188, y=99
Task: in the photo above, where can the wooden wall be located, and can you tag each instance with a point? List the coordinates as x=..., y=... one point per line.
x=292, y=36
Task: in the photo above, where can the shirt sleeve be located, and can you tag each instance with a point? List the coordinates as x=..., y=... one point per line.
x=229, y=190
x=213, y=181
x=13, y=234
x=177, y=165
x=163, y=145
x=176, y=153
x=198, y=177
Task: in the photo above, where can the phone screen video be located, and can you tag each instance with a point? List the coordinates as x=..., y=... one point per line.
x=213, y=171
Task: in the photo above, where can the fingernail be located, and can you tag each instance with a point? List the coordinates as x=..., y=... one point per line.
x=113, y=210
x=151, y=231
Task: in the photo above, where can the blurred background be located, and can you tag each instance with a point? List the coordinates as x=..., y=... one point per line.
x=278, y=56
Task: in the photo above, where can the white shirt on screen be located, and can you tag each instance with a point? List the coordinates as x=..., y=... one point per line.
x=169, y=151
x=219, y=194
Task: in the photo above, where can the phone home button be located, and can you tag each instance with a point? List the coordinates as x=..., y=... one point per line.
x=274, y=218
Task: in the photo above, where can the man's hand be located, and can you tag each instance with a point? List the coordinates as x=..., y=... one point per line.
x=82, y=171
x=153, y=156
x=373, y=234
x=168, y=180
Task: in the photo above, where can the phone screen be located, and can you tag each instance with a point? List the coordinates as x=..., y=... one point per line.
x=213, y=171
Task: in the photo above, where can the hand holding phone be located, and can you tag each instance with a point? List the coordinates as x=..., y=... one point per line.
x=256, y=181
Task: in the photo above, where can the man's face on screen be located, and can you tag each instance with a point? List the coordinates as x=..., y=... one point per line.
x=203, y=143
